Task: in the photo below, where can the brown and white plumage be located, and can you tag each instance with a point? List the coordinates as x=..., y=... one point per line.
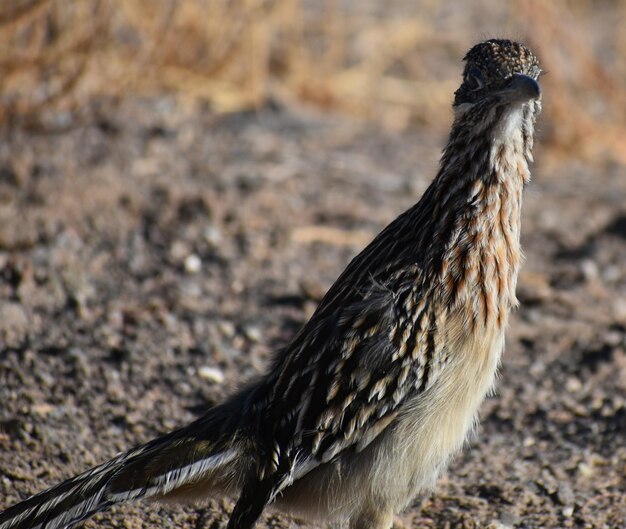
x=381, y=386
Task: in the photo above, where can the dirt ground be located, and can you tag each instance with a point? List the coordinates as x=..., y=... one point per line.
x=150, y=248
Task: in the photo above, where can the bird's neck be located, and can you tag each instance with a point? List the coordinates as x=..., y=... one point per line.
x=477, y=205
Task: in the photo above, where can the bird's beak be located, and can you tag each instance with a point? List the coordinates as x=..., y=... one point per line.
x=522, y=88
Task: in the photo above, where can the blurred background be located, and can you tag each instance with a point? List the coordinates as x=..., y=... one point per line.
x=181, y=182
x=394, y=62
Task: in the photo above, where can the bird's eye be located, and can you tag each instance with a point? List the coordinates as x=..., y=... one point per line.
x=474, y=79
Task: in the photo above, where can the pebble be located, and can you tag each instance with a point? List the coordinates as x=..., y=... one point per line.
x=179, y=250
x=585, y=470
x=508, y=519
x=573, y=384
x=565, y=495
x=211, y=373
x=14, y=325
x=226, y=328
x=193, y=264
x=589, y=269
x=213, y=236
x=253, y=333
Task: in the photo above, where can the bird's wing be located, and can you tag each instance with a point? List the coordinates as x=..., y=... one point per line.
x=344, y=379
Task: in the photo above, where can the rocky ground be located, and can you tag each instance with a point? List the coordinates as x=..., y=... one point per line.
x=153, y=255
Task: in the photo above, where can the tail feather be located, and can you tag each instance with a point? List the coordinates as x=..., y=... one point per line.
x=205, y=449
x=66, y=503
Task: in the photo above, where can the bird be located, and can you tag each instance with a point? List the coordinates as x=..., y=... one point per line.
x=380, y=388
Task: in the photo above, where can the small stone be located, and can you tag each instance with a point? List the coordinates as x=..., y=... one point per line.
x=565, y=494
x=226, y=328
x=212, y=374
x=589, y=269
x=253, y=333
x=14, y=325
x=508, y=519
x=178, y=251
x=573, y=384
x=585, y=470
x=568, y=511
x=193, y=264
x=213, y=236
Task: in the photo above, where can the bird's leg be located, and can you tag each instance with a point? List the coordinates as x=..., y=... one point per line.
x=373, y=518
x=250, y=505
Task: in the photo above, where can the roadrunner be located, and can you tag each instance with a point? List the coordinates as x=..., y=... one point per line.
x=380, y=388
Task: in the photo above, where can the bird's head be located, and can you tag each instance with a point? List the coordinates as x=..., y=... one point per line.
x=498, y=100
x=498, y=73
x=495, y=110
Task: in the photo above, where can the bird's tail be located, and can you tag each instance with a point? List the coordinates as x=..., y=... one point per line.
x=208, y=455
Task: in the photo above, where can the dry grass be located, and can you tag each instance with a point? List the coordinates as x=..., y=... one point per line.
x=396, y=64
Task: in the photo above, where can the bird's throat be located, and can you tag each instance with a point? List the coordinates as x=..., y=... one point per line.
x=480, y=187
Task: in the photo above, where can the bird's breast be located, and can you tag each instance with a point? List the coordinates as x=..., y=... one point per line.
x=433, y=427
